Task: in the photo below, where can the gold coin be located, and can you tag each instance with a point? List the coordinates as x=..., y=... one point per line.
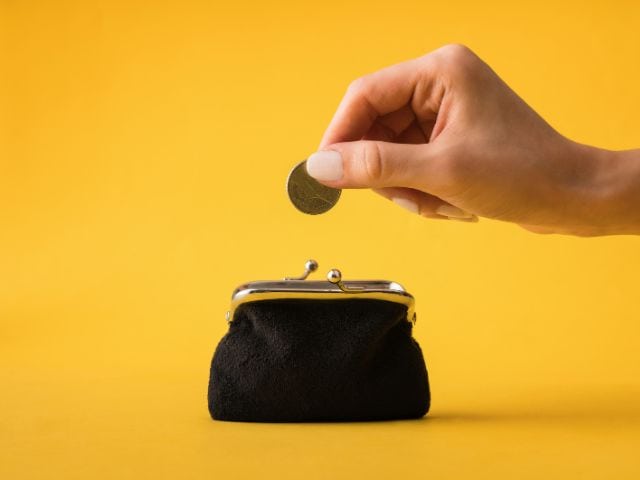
x=307, y=194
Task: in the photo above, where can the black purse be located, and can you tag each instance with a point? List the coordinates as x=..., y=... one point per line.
x=311, y=351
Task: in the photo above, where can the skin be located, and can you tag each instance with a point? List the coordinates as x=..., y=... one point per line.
x=444, y=129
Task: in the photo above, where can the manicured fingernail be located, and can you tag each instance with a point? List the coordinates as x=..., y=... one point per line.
x=454, y=213
x=325, y=165
x=407, y=204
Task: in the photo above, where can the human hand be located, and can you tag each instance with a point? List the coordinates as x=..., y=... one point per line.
x=443, y=136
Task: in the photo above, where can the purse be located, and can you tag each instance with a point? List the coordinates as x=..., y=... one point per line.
x=318, y=351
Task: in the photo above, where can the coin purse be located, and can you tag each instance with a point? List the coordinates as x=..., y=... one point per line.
x=312, y=351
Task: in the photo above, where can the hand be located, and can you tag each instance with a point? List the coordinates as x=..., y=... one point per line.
x=445, y=137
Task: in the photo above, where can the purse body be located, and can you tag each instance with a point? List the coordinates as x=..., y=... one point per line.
x=313, y=360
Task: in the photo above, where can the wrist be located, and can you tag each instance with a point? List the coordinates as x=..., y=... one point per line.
x=613, y=206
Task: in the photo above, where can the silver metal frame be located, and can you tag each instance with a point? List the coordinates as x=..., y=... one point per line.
x=332, y=289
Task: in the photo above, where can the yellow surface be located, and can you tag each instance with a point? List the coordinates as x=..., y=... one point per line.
x=144, y=147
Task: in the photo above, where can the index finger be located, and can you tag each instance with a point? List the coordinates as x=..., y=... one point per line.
x=369, y=98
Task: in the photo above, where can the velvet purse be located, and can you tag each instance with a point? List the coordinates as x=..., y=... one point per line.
x=319, y=351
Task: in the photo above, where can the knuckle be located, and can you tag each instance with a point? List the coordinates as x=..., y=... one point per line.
x=357, y=85
x=459, y=59
x=457, y=51
x=372, y=163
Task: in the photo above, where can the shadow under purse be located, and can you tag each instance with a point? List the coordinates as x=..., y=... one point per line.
x=312, y=351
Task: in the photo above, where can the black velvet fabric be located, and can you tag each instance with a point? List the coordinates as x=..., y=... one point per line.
x=294, y=360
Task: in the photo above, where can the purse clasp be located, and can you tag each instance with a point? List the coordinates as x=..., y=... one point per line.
x=333, y=288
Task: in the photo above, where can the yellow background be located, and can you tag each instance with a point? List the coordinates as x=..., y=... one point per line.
x=144, y=148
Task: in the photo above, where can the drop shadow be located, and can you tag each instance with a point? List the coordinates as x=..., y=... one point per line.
x=605, y=405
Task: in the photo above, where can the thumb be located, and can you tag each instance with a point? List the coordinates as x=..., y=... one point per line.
x=371, y=164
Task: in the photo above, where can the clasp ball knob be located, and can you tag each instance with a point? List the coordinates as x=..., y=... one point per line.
x=311, y=266
x=334, y=276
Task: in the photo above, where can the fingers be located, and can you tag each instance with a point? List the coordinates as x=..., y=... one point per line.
x=370, y=164
x=424, y=204
x=370, y=97
x=389, y=127
x=538, y=229
x=418, y=85
x=374, y=164
x=412, y=134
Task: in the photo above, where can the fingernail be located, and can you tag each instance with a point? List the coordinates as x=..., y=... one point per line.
x=325, y=165
x=407, y=204
x=454, y=213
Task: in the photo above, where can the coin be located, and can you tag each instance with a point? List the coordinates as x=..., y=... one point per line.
x=307, y=194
